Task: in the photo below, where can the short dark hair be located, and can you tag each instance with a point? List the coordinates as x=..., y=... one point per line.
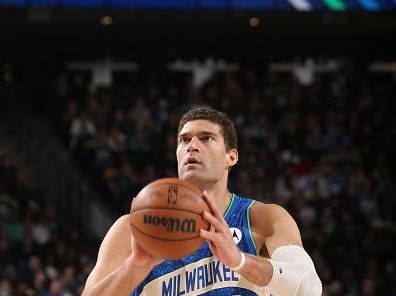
x=207, y=113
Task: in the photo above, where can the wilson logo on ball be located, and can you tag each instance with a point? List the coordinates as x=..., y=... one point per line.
x=171, y=224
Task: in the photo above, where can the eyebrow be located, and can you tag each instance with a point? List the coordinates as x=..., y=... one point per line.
x=199, y=134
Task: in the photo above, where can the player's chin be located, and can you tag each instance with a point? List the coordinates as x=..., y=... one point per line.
x=192, y=170
x=193, y=176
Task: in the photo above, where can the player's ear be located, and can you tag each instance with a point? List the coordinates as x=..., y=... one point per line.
x=232, y=157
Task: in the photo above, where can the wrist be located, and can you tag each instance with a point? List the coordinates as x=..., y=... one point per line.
x=241, y=262
x=269, y=273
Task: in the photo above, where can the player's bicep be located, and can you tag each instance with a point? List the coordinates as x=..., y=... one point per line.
x=284, y=230
x=115, y=248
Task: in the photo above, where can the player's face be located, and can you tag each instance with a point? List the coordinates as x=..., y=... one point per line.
x=201, y=153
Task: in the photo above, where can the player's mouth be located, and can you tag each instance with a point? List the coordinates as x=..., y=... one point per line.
x=192, y=161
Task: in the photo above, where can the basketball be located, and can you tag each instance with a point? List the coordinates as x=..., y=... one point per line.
x=166, y=217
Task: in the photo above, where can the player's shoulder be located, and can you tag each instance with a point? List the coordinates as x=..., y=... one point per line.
x=264, y=215
x=123, y=220
x=121, y=224
x=119, y=229
x=118, y=237
x=268, y=208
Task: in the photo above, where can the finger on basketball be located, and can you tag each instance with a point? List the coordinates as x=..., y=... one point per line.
x=211, y=204
x=210, y=236
x=213, y=221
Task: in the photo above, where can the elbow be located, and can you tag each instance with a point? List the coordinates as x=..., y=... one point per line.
x=316, y=287
x=296, y=279
x=312, y=287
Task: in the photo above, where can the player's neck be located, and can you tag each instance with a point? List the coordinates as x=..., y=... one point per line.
x=218, y=190
x=222, y=197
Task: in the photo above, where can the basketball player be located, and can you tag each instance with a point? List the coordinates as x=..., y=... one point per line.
x=252, y=249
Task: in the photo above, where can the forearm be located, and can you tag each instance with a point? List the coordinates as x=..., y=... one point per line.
x=257, y=270
x=289, y=272
x=121, y=281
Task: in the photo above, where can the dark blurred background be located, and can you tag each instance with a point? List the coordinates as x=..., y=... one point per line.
x=90, y=97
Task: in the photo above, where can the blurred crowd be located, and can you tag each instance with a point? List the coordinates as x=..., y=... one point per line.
x=323, y=151
x=40, y=253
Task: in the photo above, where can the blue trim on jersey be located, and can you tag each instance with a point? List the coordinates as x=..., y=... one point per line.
x=250, y=229
x=229, y=206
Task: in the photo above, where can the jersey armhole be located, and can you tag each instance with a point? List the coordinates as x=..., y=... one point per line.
x=249, y=228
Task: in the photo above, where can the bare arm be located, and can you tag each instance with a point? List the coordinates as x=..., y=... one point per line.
x=274, y=227
x=290, y=271
x=118, y=270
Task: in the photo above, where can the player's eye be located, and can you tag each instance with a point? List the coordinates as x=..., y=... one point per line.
x=207, y=138
x=183, y=140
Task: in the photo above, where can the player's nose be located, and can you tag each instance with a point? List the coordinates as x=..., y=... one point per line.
x=193, y=145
